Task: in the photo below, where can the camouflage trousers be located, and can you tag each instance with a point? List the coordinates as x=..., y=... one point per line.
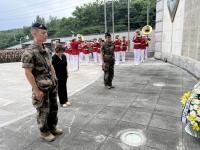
x=108, y=74
x=47, y=110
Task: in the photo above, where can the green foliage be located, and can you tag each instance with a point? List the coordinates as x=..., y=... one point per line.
x=89, y=19
x=40, y=20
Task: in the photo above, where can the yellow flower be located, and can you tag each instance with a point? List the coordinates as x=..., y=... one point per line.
x=192, y=118
x=195, y=127
x=185, y=97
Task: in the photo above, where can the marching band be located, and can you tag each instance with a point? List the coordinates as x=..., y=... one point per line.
x=81, y=50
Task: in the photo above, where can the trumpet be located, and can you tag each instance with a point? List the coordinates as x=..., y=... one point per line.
x=147, y=29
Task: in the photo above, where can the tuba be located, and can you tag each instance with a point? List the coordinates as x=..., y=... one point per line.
x=147, y=29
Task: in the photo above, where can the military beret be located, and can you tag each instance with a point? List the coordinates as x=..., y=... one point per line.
x=107, y=34
x=39, y=26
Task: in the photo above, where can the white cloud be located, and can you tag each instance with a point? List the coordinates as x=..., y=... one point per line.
x=19, y=13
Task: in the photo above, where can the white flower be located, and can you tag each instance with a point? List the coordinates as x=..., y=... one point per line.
x=198, y=112
x=195, y=107
x=192, y=122
x=193, y=113
x=198, y=119
x=195, y=101
x=191, y=107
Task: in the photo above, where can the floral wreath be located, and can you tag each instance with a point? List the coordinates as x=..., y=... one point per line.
x=191, y=107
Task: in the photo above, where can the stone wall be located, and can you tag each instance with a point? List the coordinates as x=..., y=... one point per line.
x=159, y=28
x=191, y=43
x=178, y=42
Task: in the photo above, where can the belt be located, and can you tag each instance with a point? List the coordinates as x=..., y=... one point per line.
x=108, y=55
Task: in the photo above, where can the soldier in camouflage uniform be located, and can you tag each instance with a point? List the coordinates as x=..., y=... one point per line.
x=41, y=75
x=108, y=61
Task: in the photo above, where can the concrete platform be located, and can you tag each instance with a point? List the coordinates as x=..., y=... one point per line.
x=15, y=91
x=146, y=99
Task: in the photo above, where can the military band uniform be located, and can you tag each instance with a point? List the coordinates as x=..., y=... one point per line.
x=124, y=49
x=137, y=51
x=117, y=50
x=142, y=48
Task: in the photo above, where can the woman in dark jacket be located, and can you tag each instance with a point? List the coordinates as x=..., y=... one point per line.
x=59, y=62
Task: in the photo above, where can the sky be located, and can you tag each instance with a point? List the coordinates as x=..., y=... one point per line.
x=19, y=13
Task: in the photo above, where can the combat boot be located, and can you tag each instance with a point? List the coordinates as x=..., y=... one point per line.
x=47, y=136
x=57, y=131
x=108, y=87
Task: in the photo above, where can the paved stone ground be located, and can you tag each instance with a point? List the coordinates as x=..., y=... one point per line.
x=97, y=115
x=15, y=91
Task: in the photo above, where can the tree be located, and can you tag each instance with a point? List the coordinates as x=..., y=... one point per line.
x=89, y=19
x=39, y=20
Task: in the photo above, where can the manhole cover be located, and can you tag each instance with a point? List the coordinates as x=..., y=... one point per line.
x=133, y=138
x=159, y=84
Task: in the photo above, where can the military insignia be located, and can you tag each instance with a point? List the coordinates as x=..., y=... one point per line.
x=172, y=7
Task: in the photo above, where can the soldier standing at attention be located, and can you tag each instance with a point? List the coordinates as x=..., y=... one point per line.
x=41, y=76
x=108, y=61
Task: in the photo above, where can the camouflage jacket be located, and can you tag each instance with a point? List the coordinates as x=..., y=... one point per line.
x=108, y=52
x=38, y=58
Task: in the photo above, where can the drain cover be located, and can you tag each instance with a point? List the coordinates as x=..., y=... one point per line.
x=133, y=138
x=159, y=84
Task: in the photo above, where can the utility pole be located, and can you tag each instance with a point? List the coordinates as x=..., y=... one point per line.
x=147, y=12
x=105, y=15
x=128, y=25
x=113, y=21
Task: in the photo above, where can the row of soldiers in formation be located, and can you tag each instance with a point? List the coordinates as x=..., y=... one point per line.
x=10, y=55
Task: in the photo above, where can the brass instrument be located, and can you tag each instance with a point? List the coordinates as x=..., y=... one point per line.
x=147, y=29
x=81, y=36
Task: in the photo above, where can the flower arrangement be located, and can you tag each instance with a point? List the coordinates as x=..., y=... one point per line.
x=191, y=107
x=185, y=98
x=194, y=114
